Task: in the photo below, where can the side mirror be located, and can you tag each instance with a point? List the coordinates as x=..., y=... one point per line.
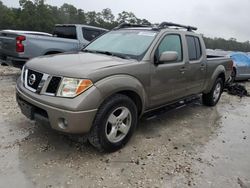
x=168, y=56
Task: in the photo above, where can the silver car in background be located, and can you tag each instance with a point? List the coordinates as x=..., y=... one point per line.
x=241, y=60
x=241, y=69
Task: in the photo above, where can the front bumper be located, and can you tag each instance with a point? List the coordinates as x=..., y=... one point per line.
x=76, y=122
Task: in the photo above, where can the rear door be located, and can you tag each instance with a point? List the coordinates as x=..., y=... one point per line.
x=168, y=79
x=196, y=64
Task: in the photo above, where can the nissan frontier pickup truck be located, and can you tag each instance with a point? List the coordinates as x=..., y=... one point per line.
x=103, y=90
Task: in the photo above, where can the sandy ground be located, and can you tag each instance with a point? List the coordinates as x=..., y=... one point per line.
x=192, y=146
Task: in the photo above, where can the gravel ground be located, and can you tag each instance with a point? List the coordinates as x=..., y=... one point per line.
x=191, y=146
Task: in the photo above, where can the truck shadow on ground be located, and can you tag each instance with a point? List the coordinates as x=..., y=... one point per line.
x=174, y=134
x=174, y=122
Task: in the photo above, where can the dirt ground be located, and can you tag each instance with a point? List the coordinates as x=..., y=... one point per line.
x=192, y=146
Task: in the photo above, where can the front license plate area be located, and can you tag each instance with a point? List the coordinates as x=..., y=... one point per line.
x=26, y=108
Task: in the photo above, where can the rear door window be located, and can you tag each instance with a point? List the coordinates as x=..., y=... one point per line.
x=90, y=34
x=198, y=47
x=68, y=32
x=194, y=48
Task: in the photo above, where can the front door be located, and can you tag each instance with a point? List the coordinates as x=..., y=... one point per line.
x=168, y=79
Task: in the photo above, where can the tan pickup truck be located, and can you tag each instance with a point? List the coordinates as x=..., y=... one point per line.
x=103, y=90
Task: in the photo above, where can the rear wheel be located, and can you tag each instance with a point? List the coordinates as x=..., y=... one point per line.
x=212, y=98
x=114, y=123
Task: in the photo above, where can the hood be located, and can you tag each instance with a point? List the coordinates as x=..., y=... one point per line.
x=76, y=65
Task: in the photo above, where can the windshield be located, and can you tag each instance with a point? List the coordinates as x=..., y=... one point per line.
x=127, y=43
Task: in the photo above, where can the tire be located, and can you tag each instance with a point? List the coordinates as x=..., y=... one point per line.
x=212, y=98
x=108, y=132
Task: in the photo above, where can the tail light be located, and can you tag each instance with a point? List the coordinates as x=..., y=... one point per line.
x=19, y=44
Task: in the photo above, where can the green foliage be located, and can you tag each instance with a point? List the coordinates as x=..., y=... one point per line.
x=38, y=16
x=228, y=45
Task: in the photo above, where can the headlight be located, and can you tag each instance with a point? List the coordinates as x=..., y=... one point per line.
x=71, y=87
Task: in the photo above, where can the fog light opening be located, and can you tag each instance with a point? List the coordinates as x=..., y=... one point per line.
x=62, y=123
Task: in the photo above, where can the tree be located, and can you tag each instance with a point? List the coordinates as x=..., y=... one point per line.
x=38, y=16
x=107, y=15
x=127, y=17
x=7, y=16
x=69, y=13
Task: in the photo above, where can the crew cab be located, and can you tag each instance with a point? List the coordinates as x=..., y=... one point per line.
x=103, y=90
x=16, y=47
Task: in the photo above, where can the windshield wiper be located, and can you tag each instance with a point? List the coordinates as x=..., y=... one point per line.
x=106, y=53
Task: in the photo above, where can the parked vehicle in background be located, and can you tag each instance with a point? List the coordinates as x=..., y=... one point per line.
x=117, y=78
x=241, y=69
x=17, y=47
x=28, y=32
x=218, y=53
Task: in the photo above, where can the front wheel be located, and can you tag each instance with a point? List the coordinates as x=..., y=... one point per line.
x=212, y=98
x=114, y=123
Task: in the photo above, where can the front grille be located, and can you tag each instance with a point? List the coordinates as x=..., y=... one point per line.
x=53, y=85
x=33, y=79
x=41, y=83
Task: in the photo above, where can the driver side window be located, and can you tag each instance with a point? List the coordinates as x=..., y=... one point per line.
x=170, y=42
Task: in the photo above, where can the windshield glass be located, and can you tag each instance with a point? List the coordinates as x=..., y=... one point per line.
x=129, y=43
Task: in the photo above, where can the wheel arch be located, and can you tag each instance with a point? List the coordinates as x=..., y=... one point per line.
x=52, y=52
x=219, y=72
x=134, y=97
x=125, y=85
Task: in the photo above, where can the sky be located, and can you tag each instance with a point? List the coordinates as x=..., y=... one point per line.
x=214, y=18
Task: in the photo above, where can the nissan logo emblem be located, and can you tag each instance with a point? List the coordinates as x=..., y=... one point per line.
x=32, y=79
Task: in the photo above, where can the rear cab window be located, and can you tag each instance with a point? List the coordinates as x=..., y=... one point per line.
x=68, y=32
x=194, y=48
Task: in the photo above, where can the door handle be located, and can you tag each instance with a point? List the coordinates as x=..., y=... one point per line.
x=203, y=66
x=182, y=70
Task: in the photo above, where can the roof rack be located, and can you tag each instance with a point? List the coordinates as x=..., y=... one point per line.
x=126, y=25
x=163, y=25
x=170, y=24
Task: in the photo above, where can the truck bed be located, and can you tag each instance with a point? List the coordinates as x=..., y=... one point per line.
x=214, y=62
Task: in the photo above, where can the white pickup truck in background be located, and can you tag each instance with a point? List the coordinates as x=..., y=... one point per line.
x=16, y=47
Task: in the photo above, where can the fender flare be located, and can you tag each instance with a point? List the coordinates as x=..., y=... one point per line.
x=220, y=70
x=121, y=83
x=52, y=50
